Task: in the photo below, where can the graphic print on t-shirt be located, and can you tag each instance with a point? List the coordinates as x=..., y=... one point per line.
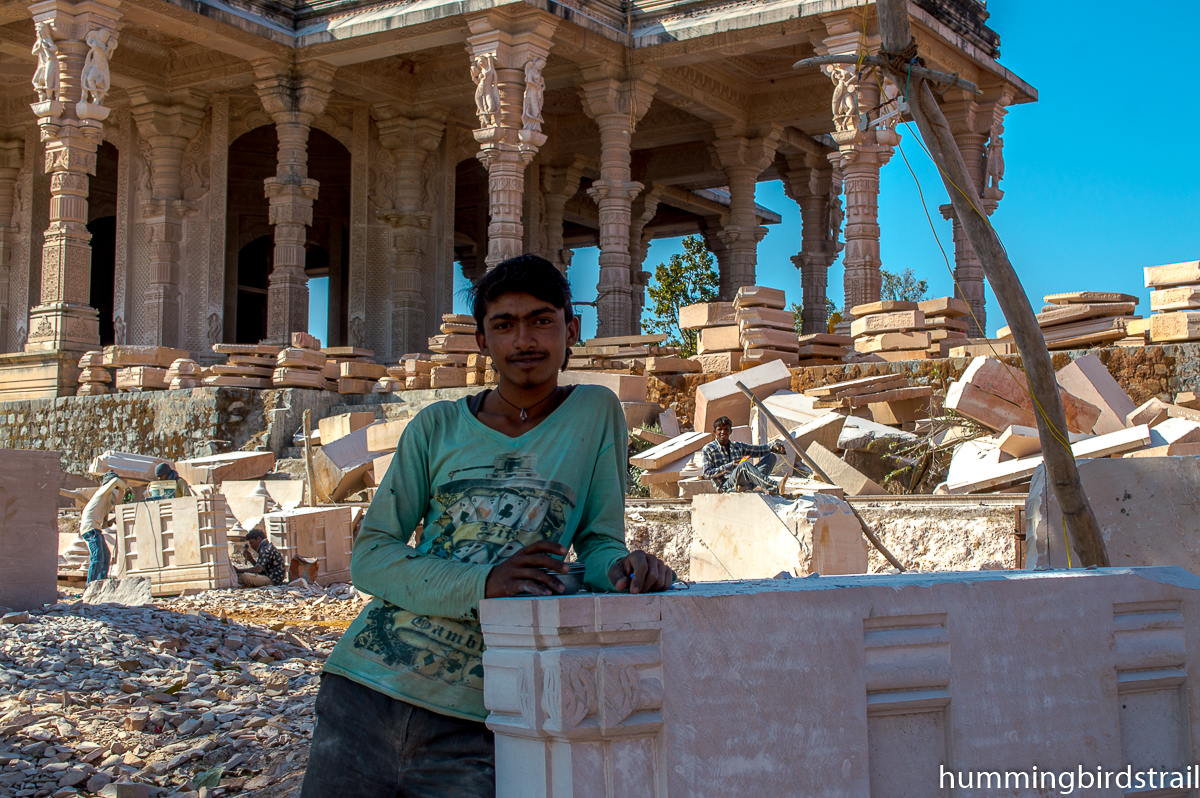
x=487, y=518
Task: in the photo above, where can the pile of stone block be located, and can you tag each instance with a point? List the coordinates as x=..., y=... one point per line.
x=823, y=349
x=94, y=379
x=415, y=370
x=247, y=366
x=451, y=350
x=302, y=365
x=353, y=369
x=888, y=399
x=766, y=329
x=718, y=340
x=893, y=330
x=1102, y=422
x=1082, y=319
x=1174, y=301
x=946, y=323
x=631, y=354
x=141, y=368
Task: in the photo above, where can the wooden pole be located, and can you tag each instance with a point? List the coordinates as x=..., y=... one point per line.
x=816, y=469
x=1061, y=473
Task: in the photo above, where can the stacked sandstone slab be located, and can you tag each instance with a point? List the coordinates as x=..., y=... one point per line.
x=766, y=329
x=1174, y=301
x=946, y=323
x=885, y=399
x=718, y=343
x=1080, y=319
x=141, y=368
x=246, y=366
x=184, y=373
x=452, y=349
x=302, y=365
x=94, y=379
x=353, y=368
x=631, y=354
x=890, y=330
x=414, y=370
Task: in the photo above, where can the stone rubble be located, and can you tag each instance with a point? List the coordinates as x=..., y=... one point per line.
x=203, y=695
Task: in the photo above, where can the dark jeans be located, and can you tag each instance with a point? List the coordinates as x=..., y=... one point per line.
x=751, y=475
x=99, y=555
x=368, y=745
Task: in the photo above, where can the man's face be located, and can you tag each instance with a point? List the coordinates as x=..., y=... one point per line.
x=527, y=339
x=721, y=432
x=255, y=542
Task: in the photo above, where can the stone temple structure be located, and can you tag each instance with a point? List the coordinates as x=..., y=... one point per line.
x=173, y=172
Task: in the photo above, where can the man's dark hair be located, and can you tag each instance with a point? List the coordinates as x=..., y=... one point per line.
x=164, y=471
x=255, y=534
x=524, y=274
x=723, y=421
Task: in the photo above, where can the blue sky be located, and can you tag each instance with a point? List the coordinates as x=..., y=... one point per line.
x=1100, y=173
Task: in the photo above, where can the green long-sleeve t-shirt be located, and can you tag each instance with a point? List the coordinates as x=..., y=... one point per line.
x=482, y=496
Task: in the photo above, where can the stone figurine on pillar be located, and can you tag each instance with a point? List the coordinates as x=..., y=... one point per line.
x=507, y=59
x=73, y=47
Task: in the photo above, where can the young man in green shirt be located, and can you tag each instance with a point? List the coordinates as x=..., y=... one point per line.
x=504, y=481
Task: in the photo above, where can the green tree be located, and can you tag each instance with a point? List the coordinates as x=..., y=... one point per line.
x=685, y=279
x=902, y=287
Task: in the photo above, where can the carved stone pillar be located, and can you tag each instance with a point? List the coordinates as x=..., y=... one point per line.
x=12, y=155
x=294, y=96
x=978, y=130
x=863, y=149
x=167, y=122
x=712, y=230
x=509, y=90
x=816, y=187
x=743, y=155
x=559, y=184
x=616, y=105
x=74, y=44
x=411, y=138
x=576, y=704
x=643, y=210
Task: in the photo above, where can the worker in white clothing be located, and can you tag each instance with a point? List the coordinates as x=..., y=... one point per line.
x=95, y=513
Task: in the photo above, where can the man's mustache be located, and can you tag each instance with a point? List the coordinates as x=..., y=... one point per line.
x=523, y=355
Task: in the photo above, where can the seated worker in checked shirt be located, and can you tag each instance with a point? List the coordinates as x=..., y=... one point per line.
x=269, y=568
x=728, y=463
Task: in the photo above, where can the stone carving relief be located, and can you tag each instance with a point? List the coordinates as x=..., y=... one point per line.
x=535, y=94
x=358, y=332
x=622, y=683
x=487, y=90
x=96, y=77
x=889, y=102
x=196, y=166
x=381, y=183
x=845, y=96
x=145, y=178
x=119, y=330
x=214, y=328
x=570, y=691
x=45, y=77
x=995, y=159
x=22, y=338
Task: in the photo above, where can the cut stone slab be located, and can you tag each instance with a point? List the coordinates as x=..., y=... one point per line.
x=769, y=337
x=339, y=467
x=627, y=387
x=385, y=436
x=1145, y=509
x=718, y=339
x=1175, y=430
x=1188, y=399
x=845, y=476
x=1172, y=274
x=827, y=339
x=892, y=341
x=755, y=536
x=215, y=469
x=132, y=591
x=671, y=472
x=672, y=450
x=788, y=405
x=887, y=322
x=706, y=314
x=751, y=296
x=157, y=356
x=781, y=319
x=720, y=362
x=1087, y=297
x=823, y=430
x=883, y=306
x=1020, y=441
x=861, y=434
x=1170, y=450
x=1183, y=325
x=1006, y=384
x=640, y=414
x=723, y=398
x=126, y=465
x=1183, y=298
x=946, y=306
x=988, y=409
x=294, y=357
x=284, y=492
x=333, y=427
x=755, y=357
x=1088, y=379
x=897, y=412
x=669, y=422
x=289, y=377
x=379, y=467
x=142, y=378
x=1153, y=411
x=29, y=485
x=1068, y=314
x=361, y=370
x=838, y=390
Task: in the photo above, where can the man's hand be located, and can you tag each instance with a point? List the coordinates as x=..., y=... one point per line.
x=778, y=447
x=522, y=573
x=650, y=574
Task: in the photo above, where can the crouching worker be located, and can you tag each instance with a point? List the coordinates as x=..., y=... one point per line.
x=730, y=464
x=92, y=520
x=268, y=568
x=505, y=482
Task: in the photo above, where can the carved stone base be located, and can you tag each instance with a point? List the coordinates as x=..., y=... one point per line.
x=64, y=326
x=38, y=375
